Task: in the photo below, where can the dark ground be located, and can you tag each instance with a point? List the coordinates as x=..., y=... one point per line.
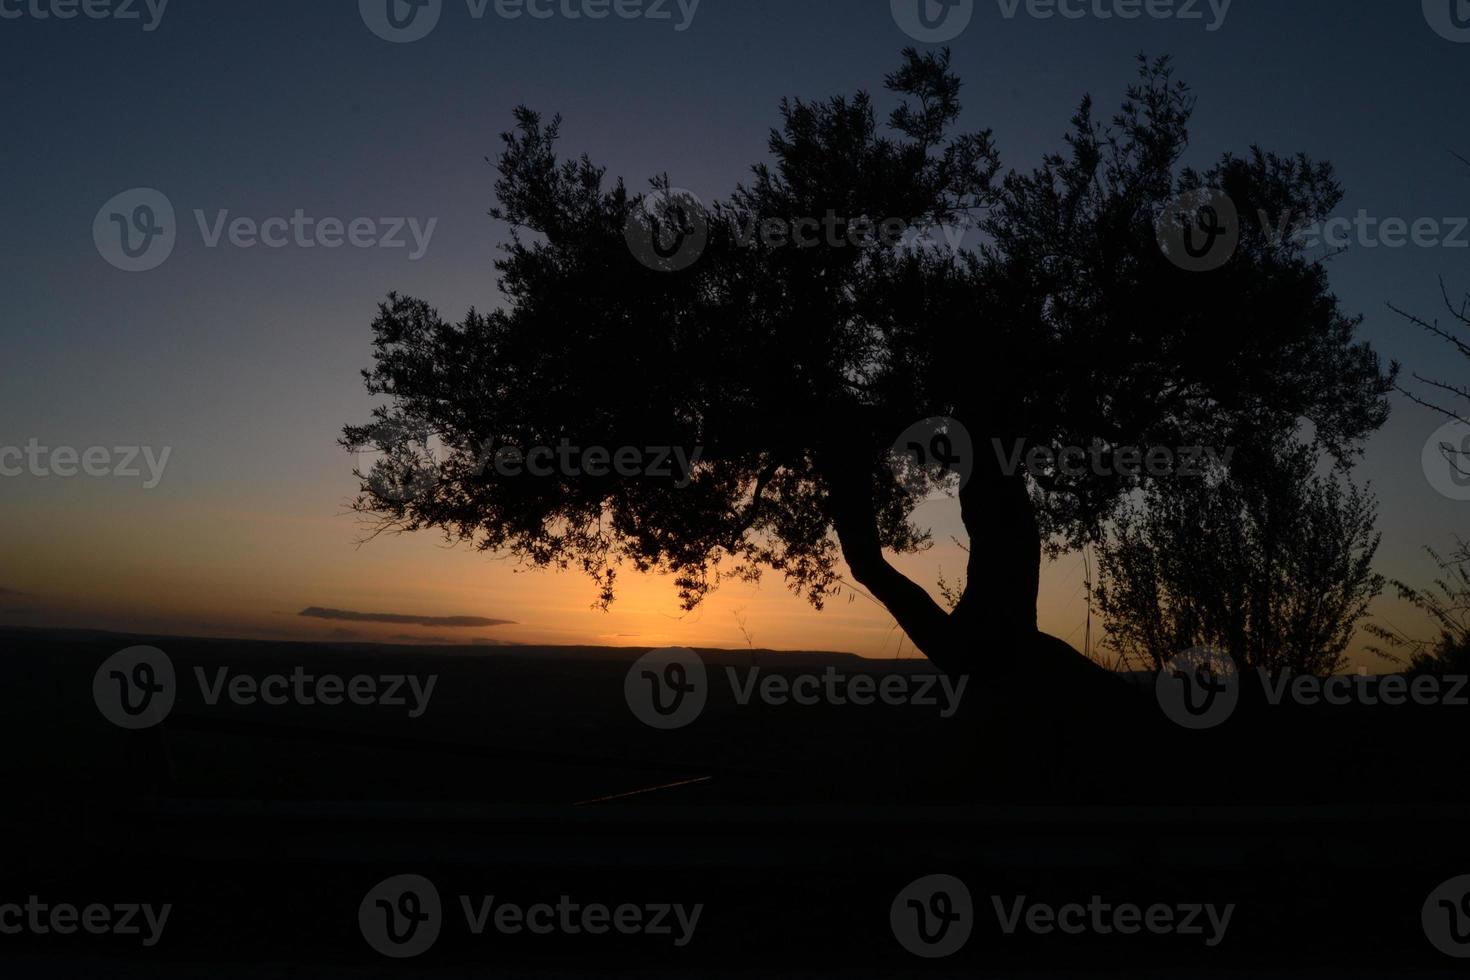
x=264, y=827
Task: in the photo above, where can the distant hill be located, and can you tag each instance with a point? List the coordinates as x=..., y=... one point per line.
x=493, y=648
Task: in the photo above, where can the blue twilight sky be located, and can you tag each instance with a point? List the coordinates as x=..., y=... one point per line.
x=245, y=361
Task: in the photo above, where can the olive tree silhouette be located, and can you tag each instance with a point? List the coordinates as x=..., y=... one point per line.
x=1268, y=561
x=794, y=364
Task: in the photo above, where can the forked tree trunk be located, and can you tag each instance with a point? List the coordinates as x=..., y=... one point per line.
x=992, y=631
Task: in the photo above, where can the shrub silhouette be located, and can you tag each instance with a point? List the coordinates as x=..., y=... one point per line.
x=1268, y=561
x=1447, y=606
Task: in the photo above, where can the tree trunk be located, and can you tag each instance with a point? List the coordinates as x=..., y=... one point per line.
x=1037, y=716
x=992, y=631
x=1004, y=570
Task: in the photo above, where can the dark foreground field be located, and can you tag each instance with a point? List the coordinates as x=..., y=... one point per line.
x=528, y=778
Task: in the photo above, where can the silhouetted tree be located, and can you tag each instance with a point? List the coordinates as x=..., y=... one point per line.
x=1454, y=399
x=794, y=368
x=1267, y=560
x=1447, y=605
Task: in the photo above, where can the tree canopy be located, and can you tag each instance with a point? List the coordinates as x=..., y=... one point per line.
x=793, y=369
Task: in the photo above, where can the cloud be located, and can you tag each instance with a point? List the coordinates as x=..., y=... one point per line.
x=15, y=593
x=398, y=619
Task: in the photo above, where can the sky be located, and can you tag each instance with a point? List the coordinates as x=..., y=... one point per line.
x=243, y=362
